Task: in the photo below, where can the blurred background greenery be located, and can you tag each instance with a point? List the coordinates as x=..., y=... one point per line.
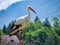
x=41, y=33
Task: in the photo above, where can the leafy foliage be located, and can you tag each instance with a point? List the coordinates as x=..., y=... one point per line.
x=4, y=29
x=1, y=32
x=46, y=23
x=41, y=32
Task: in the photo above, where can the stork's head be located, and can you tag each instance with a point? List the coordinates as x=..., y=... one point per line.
x=30, y=8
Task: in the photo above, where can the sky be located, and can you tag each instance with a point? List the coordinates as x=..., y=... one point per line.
x=12, y=9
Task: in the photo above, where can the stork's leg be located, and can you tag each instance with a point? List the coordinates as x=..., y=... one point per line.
x=20, y=36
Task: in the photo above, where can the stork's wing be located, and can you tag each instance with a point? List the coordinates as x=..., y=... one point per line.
x=18, y=29
x=14, y=28
x=15, y=31
x=20, y=21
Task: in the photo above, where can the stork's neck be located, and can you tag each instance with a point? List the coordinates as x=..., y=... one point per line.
x=29, y=12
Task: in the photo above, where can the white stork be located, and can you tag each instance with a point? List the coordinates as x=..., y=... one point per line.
x=22, y=21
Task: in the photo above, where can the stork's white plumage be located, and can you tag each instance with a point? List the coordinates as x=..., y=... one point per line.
x=22, y=21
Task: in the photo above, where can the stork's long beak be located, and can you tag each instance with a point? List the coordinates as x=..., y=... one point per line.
x=32, y=10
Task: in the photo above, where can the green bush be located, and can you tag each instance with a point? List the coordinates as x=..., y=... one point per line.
x=1, y=32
